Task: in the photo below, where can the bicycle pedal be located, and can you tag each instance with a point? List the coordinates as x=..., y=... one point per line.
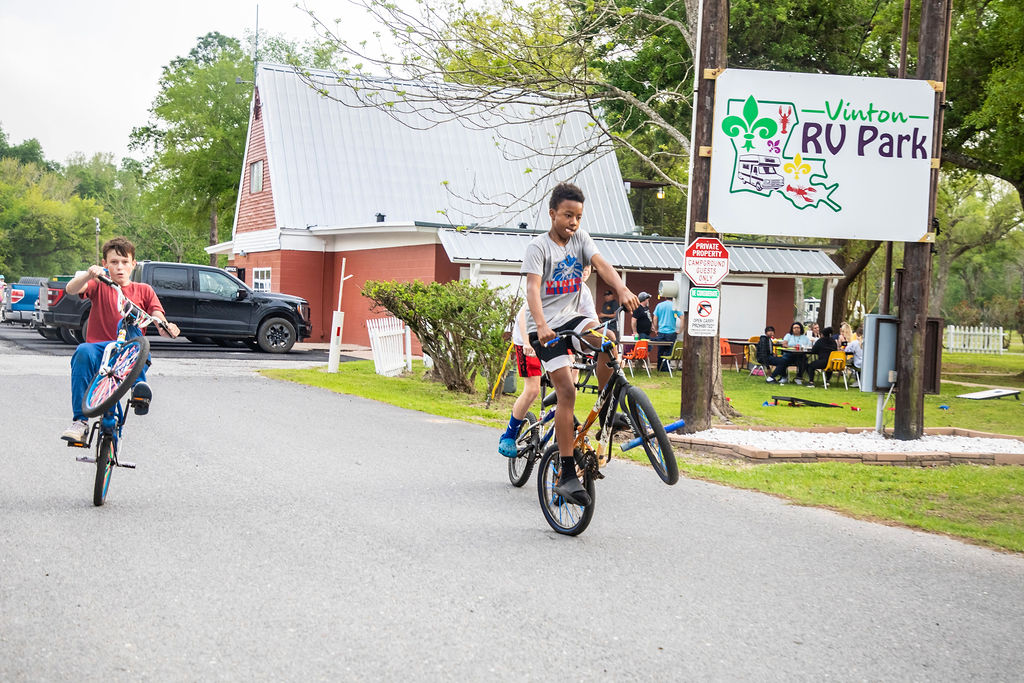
x=124, y=463
x=140, y=405
x=86, y=458
x=76, y=444
x=598, y=475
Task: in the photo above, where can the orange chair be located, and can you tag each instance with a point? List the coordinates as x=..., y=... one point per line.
x=725, y=348
x=637, y=353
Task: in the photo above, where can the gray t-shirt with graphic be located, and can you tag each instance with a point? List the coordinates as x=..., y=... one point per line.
x=561, y=272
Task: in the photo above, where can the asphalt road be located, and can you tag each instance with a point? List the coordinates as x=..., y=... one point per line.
x=28, y=340
x=273, y=531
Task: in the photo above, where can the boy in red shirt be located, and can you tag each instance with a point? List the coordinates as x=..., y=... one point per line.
x=119, y=261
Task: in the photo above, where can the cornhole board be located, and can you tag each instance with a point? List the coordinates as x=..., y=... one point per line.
x=990, y=393
x=793, y=401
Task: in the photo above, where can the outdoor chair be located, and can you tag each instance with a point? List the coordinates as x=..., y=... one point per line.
x=751, y=356
x=676, y=357
x=725, y=348
x=836, y=363
x=637, y=354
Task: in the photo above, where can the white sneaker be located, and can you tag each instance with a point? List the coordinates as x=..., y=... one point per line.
x=76, y=432
x=798, y=380
x=769, y=379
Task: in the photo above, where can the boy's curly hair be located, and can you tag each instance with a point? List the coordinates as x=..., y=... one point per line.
x=565, y=191
x=121, y=245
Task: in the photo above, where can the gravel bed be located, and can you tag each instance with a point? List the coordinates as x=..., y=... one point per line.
x=865, y=442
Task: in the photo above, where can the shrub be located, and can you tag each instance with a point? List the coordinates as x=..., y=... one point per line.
x=461, y=326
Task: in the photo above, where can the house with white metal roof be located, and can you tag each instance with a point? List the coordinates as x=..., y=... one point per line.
x=401, y=191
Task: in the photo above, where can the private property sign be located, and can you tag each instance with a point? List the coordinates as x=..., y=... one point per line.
x=816, y=155
x=706, y=261
x=702, y=319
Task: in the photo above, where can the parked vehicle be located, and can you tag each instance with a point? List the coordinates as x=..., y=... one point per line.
x=207, y=303
x=42, y=321
x=20, y=299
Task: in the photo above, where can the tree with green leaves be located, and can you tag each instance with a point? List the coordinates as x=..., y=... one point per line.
x=196, y=135
x=45, y=228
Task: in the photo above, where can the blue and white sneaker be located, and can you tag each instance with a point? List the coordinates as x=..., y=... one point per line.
x=507, y=447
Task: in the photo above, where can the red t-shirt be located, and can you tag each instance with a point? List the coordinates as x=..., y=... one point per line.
x=104, y=317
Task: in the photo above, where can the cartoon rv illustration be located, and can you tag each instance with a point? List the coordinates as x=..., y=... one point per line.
x=759, y=171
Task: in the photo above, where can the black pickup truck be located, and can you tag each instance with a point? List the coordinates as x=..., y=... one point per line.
x=207, y=303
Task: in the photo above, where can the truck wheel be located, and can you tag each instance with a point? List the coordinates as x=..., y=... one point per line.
x=49, y=333
x=67, y=335
x=199, y=340
x=82, y=333
x=276, y=335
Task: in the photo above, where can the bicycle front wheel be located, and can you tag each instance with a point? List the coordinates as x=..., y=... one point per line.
x=520, y=467
x=563, y=516
x=647, y=427
x=104, y=468
x=113, y=381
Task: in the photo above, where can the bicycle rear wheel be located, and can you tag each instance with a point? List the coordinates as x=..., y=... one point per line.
x=109, y=385
x=104, y=468
x=648, y=428
x=520, y=467
x=563, y=516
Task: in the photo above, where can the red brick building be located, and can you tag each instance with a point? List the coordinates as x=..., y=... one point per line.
x=329, y=178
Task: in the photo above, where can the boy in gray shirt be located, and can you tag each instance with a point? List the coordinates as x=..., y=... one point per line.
x=553, y=266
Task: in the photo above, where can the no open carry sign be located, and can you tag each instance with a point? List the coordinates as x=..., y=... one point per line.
x=702, y=320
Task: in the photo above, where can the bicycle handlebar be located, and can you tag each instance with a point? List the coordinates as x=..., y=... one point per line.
x=126, y=306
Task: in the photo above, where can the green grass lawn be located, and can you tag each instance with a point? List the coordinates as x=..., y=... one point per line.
x=981, y=504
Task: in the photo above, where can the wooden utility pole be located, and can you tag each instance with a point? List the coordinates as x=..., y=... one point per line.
x=932, y=53
x=213, y=232
x=698, y=369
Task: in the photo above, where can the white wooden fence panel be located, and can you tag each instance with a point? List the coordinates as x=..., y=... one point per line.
x=387, y=339
x=979, y=339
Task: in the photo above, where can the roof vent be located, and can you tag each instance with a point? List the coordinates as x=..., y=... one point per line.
x=522, y=226
x=380, y=217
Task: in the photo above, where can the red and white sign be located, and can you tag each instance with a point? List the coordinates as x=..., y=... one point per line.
x=707, y=262
x=17, y=295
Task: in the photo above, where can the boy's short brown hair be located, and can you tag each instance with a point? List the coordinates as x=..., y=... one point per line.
x=121, y=245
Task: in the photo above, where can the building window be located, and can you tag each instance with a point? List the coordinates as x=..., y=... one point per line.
x=261, y=279
x=256, y=177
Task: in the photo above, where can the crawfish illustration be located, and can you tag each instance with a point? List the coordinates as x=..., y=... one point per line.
x=803, y=192
x=784, y=118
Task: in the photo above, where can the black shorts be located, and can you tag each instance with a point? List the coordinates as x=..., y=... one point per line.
x=558, y=355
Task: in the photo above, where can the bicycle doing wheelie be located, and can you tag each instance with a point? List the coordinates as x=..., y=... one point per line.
x=122, y=363
x=563, y=515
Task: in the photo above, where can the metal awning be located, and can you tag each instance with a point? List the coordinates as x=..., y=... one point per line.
x=640, y=253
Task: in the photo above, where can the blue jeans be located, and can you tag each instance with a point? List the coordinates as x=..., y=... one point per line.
x=84, y=364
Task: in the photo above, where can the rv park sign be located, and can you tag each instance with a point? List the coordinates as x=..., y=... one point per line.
x=815, y=155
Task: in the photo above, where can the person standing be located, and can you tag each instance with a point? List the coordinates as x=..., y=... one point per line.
x=666, y=326
x=642, y=324
x=607, y=313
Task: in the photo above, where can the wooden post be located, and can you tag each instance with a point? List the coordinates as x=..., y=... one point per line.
x=213, y=232
x=698, y=371
x=933, y=49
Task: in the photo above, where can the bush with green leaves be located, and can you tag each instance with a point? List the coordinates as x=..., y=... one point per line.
x=461, y=326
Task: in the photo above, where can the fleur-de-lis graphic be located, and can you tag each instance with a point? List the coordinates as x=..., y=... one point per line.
x=773, y=146
x=749, y=125
x=796, y=167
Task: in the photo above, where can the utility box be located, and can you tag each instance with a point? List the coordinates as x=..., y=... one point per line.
x=880, y=335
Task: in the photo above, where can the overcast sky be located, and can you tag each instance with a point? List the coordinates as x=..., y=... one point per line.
x=78, y=75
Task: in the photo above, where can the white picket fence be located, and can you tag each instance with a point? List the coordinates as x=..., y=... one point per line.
x=974, y=339
x=391, y=343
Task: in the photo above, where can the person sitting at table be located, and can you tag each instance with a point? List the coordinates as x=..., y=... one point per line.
x=765, y=353
x=813, y=331
x=845, y=334
x=856, y=347
x=798, y=341
x=823, y=346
